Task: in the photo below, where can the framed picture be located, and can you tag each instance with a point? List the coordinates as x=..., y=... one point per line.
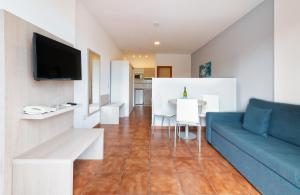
x=205, y=70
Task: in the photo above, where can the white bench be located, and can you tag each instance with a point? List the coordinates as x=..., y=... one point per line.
x=48, y=168
x=110, y=113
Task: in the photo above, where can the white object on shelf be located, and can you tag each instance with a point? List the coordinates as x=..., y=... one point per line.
x=59, y=111
x=38, y=109
x=48, y=168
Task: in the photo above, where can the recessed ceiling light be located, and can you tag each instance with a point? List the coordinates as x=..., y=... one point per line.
x=140, y=56
x=146, y=56
x=156, y=43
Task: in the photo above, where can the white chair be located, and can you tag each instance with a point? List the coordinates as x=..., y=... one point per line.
x=164, y=111
x=187, y=113
x=211, y=105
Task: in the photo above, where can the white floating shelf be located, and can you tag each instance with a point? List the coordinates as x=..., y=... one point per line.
x=49, y=114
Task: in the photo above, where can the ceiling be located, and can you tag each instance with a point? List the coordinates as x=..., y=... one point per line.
x=183, y=25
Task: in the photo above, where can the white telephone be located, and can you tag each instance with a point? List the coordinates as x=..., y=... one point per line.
x=38, y=109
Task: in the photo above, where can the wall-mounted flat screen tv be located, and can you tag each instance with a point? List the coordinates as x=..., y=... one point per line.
x=54, y=60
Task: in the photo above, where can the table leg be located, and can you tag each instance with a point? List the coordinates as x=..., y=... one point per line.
x=186, y=131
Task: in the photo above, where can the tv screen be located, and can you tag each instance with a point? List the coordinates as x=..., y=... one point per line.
x=55, y=60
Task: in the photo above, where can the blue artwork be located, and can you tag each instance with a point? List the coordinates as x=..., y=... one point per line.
x=205, y=70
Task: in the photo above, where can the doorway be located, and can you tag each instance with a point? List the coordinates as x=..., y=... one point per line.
x=164, y=71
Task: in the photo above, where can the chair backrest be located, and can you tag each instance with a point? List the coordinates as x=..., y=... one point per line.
x=212, y=104
x=187, y=111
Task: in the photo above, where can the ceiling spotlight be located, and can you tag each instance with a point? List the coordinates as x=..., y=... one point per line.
x=156, y=43
x=146, y=56
x=140, y=56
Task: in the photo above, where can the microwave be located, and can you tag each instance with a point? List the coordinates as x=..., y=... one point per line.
x=139, y=76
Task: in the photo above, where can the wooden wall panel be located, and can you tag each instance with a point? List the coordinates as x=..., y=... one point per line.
x=2, y=103
x=22, y=90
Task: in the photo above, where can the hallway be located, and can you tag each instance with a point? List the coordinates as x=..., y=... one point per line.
x=136, y=163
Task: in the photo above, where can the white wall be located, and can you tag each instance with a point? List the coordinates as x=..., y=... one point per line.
x=244, y=51
x=181, y=64
x=54, y=16
x=2, y=104
x=287, y=51
x=90, y=35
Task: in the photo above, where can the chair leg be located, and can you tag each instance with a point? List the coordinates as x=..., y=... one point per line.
x=179, y=131
x=175, y=135
x=169, y=128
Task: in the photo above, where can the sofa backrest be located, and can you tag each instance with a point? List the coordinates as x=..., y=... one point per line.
x=285, y=120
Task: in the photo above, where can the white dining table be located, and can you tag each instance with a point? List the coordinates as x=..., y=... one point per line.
x=187, y=135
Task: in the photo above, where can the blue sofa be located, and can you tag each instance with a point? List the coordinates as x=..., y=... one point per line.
x=271, y=163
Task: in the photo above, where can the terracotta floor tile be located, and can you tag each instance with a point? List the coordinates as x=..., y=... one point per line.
x=187, y=165
x=141, y=135
x=140, y=142
x=136, y=164
x=162, y=164
x=226, y=183
x=159, y=143
x=86, y=166
x=116, y=151
x=165, y=183
x=80, y=179
x=139, y=153
x=110, y=165
x=208, y=152
x=135, y=183
x=195, y=183
x=139, y=148
x=213, y=165
x=181, y=152
x=105, y=184
x=124, y=142
x=161, y=152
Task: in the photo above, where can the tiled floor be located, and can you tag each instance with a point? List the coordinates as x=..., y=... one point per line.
x=136, y=163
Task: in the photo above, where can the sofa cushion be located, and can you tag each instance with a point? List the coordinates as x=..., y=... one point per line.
x=279, y=156
x=285, y=120
x=257, y=120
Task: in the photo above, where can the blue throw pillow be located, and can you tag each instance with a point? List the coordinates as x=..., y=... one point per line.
x=257, y=120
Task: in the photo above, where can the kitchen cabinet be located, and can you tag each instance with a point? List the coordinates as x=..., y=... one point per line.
x=149, y=72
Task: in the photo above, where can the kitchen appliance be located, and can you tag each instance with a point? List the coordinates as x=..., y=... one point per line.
x=139, y=76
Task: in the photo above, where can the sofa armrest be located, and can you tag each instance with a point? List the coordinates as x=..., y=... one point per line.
x=221, y=117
